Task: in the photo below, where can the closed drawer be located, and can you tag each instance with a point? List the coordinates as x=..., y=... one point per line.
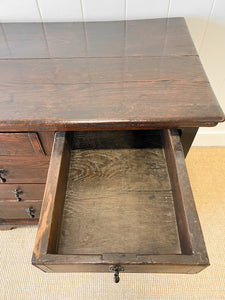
x=23, y=170
x=21, y=192
x=19, y=210
x=20, y=144
x=119, y=201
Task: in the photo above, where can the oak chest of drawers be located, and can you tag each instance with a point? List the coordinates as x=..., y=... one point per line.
x=123, y=102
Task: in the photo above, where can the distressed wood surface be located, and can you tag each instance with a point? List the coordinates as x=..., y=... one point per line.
x=112, y=105
x=101, y=70
x=118, y=198
x=106, y=75
x=129, y=222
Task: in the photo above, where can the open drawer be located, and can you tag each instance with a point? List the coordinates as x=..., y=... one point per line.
x=119, y=201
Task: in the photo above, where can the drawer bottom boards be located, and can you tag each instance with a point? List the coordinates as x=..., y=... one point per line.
x=119, y=200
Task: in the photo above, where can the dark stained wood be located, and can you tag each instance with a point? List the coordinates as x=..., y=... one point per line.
x=105, y=39
x=25, y=40
x=24, y=169
x=97, y=39
x=17, y=210
x=65, y=39
x=29, y=191
x=103, y=75
x=187, y=138
x=91, y=258
x=20, y=144
x=112, y=105
x=160, y=37
x=183, y=194
x=101, y=70
x=46, y=138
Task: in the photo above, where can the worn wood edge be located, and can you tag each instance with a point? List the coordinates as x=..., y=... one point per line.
x=54, y=236
x=172, y=161
x=44, y=228
x=139, y=263
x=41, y=125
x=190, y=219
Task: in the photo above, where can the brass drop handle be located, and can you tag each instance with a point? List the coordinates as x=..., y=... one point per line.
x=116, y=269
x=31, y=212
x=17, y=194
x=3, y=173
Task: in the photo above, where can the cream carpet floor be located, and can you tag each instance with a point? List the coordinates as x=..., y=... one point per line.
x=20, y=280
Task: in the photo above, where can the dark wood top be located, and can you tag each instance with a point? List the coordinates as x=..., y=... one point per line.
x=105, y=75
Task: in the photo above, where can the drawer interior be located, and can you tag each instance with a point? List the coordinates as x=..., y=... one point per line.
x=119, y=197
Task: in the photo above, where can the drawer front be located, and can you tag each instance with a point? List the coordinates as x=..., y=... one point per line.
x=24, y=170
x=119, y=201
x=21, y=144
x=19, y=210
x=21, y=192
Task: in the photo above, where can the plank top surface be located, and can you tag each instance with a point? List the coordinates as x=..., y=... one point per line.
x=102, y=75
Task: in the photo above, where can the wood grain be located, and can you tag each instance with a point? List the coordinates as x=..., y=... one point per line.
x=110, y=75
x=118, y=198
x=51, y=213
x=24, y=40
x=24, y=170
x=101, y=70
x=97, y=39
x=46, y=139
x=191, y=237
x=129, y=222
x=113, y=105
x=17, y=210
x=29, y=191
x=20, y=144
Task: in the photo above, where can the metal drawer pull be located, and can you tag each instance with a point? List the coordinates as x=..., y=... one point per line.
x=116, y=269
x=2, y=172
x=17, y=194
x=31, y=212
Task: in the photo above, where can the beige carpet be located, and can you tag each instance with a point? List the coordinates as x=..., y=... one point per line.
x=20, y=280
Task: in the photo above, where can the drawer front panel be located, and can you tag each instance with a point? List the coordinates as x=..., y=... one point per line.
x=20, y=210
x=23, y=170
x=20, y=144
x=21, y=192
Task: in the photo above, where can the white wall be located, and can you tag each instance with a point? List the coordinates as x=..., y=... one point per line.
x=205, y=19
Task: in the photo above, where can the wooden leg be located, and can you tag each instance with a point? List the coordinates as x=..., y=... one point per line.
x=187, y=138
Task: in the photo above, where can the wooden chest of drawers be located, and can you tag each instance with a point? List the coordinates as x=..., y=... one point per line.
x=123, y=102
x=24, y=161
